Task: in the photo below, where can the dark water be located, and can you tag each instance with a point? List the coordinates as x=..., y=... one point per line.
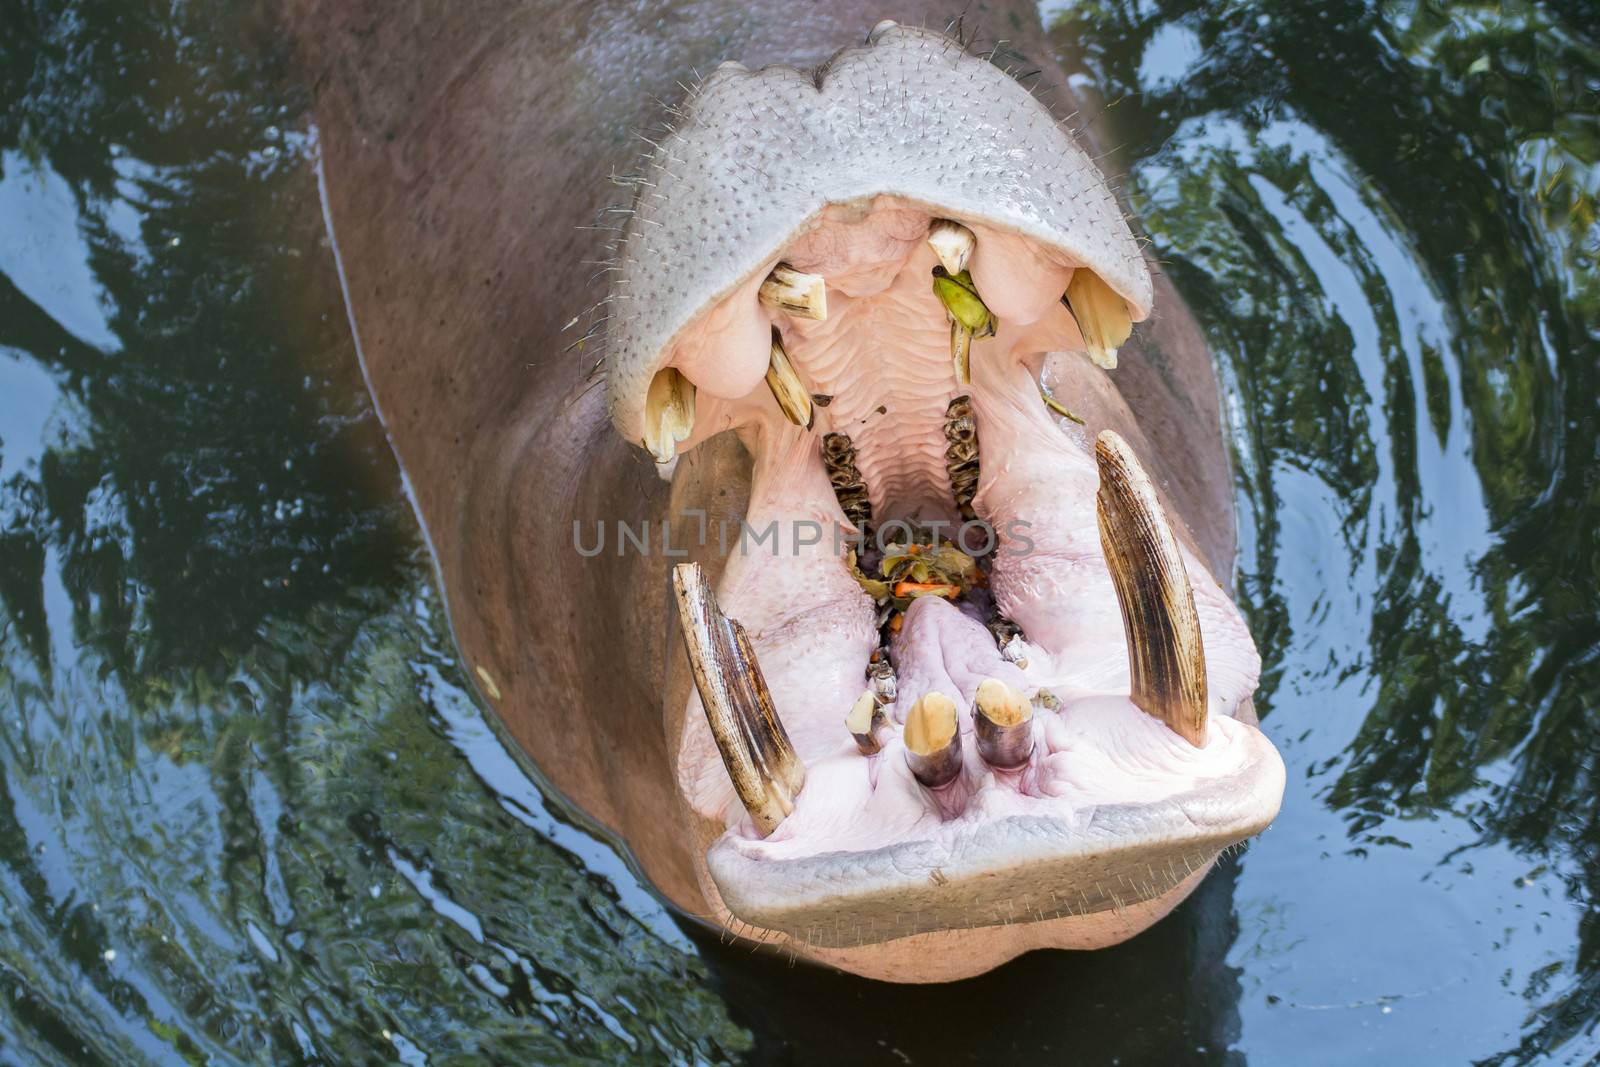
x=250, y=812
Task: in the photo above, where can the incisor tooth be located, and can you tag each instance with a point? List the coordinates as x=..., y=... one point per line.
x=1166, y=653
x=801, y=295
x=952, y=243
x=1003, y=724
x=933, y=740
x=766, y=773
x=792, y=398
x=1102, y=316
x=668, y=413
x=867, y=722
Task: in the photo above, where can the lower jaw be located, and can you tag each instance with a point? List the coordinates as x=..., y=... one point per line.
x=965, y=952
x=1089, y=867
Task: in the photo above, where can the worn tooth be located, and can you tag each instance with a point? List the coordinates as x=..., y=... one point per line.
x=802, y=295
x=1003, y=724
x=867, y=722
x=1102, y=316
x=668, y=413
x=882, y=681
x=1166, y=655
x=933, y=740
x=952, y=243
x=793, y=399
x=755, y=748
x=961, y=454
x=839, y=459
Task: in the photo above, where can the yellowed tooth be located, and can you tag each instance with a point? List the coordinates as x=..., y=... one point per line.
x=952, y=243
x=933, y=740
x=802, y=295
x=1003, y=723
x=867, y=722
x=668, y=413
x=1102, y=316
x=792, y=398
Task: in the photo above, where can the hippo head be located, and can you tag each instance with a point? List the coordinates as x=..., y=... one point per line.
x=957, y=684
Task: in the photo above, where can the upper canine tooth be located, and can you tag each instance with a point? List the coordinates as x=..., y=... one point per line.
x=867, y=722
x=803, y=295
x=668, y=413
x=952, y=243
x=792, y=398
x=755, y=748
x=1102, y=316
x=1003, y=724
x=933, y=740
x=1166, y=654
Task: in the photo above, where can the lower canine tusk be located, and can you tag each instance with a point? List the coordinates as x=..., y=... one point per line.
x=1003, y=723
x=1166, y=655
x=755, y=749
x=933, y=740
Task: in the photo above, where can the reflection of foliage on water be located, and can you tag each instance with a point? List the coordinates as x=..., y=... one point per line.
x=296, y=862
x=202, y=450
x=225, y=760
x=1468, y=138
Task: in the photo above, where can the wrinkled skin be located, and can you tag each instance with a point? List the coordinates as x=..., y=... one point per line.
x=464, y=149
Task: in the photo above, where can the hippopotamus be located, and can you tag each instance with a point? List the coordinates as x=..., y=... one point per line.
x=828, y=496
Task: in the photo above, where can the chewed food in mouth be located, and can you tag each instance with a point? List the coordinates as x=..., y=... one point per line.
x=1013, y=693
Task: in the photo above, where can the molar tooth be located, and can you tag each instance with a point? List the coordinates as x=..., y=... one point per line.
x=1166, y=654
x=668, y=413
x=961, y=454
x=933, y=740
x=802, y=295
x=839, y=459
x=1003, y=723
x=792, y=398
x=1102, y=316
x=867, y=722
x=952, y=243
x=755, y=748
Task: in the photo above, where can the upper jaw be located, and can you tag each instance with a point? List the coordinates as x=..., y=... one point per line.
x=759, y=156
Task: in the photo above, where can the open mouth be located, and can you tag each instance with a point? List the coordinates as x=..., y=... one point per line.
x=960, y=669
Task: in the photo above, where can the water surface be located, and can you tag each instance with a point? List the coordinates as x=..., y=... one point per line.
x=251, y=812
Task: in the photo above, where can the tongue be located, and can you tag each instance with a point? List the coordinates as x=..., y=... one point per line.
x=940, y=648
